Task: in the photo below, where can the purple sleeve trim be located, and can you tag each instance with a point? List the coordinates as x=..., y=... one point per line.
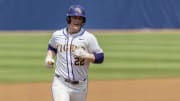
x=51, y=48
x=99, y=58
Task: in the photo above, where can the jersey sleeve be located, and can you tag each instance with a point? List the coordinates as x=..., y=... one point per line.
x=52, y=45
x=96, y=50
x=94, y=45
x=52, y=41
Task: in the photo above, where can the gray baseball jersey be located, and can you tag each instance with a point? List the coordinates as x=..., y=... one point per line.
x=68, y=65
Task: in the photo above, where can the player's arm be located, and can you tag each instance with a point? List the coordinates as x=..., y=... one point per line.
x=51, y=53
x=96, y=56
x=91, y=58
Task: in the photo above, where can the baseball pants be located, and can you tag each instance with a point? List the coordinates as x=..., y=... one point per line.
x=65, y=91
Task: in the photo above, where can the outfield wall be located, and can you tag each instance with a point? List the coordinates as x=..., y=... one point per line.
x=106, y=14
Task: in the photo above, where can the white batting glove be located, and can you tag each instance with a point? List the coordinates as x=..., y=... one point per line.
x=80, y=52
x=49, y=62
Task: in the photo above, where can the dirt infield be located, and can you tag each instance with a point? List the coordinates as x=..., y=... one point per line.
x=119, y=90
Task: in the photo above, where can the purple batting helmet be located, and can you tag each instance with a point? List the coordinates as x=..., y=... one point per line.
x=76, y=10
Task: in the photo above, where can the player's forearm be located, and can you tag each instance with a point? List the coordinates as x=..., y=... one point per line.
x=91, y=58
x=51, y=54
x=51, y=51
x=96, y=58
x=49, y=61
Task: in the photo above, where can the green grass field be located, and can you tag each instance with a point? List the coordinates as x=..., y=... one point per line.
x=127, y=56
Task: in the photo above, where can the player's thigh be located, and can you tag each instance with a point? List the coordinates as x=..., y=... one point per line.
x=59, y=92
x=61, y=96
x=78, y=96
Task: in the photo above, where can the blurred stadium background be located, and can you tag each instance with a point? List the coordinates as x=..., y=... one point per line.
x=109, y=14
x=140, y=37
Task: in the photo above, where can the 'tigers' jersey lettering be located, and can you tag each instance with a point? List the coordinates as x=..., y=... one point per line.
x=66, y=48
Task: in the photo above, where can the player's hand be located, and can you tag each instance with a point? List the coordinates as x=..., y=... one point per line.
x=49, y=62
x=80, y=52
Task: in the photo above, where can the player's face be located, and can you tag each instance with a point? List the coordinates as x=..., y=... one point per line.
x=76, y=23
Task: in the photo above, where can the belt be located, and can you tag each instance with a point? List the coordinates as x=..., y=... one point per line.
x=68, y=80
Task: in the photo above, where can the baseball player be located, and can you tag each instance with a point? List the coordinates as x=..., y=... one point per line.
x=75, y=49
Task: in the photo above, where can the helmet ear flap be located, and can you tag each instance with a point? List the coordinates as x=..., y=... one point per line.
x=68, y=19
x=84, y=20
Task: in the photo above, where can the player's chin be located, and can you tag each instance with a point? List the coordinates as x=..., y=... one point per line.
x=77, y=28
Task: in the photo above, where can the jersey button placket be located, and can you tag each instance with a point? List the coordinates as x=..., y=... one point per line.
x=71, y=75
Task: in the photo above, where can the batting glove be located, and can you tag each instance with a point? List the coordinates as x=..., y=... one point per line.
x=80, y=52
x=49, y=62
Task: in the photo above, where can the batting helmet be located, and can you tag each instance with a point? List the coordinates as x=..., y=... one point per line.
x=76, y=10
